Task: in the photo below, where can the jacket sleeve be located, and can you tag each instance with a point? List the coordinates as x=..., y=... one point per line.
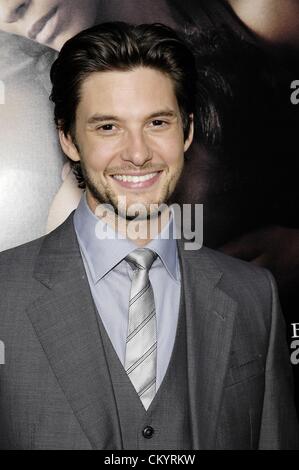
x=279, y=423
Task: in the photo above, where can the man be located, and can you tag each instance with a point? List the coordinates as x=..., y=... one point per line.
x=134, y=342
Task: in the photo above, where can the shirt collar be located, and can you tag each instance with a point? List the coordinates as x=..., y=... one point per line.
x=102, y=255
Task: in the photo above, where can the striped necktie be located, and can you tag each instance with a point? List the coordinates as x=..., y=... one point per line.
x=141, y=345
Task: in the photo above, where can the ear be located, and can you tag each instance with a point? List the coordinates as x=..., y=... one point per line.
x=68, y=146
x=189, y=139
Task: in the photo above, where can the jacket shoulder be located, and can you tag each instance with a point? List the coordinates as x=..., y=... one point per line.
x=243, y=280
x=233, y=267
x=18, y=262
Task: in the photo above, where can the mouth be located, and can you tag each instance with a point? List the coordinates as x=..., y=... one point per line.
x=44, y=27
x=137, y=180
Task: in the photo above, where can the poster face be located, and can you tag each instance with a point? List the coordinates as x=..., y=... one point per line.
x=244, y=172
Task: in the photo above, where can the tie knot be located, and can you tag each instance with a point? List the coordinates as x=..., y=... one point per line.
x=141, y=258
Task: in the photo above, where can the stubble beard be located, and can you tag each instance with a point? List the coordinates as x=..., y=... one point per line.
x=107, y=196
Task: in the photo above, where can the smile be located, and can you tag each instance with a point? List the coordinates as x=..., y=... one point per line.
x=133, y=181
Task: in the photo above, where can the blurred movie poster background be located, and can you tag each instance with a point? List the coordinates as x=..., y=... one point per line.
x=247, y=178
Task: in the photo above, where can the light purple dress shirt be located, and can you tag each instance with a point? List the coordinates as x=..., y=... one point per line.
x=110, y=277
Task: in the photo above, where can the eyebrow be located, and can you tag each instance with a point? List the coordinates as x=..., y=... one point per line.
x=97, y=118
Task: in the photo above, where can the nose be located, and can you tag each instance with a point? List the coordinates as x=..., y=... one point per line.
x=12, y=10
x=137, y=150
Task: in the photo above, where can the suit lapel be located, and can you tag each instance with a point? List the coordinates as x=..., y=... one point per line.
x=64, y=319
x=210, y=314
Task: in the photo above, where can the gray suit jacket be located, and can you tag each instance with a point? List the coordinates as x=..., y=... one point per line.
x=54, y=392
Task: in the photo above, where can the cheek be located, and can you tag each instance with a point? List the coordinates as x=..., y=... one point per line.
x=98, y=156
x=169, y=145
x=172, y=151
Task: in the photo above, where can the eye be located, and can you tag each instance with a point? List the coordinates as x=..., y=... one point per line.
x=106, y=128
x=158, y=123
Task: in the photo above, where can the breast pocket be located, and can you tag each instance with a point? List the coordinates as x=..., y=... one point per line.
x=244, y=366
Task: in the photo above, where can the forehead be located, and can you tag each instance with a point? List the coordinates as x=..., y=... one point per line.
x=136, y=92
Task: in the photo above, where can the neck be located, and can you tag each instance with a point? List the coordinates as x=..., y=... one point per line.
x=140, y=231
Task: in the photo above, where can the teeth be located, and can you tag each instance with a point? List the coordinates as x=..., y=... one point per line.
x=134, y=179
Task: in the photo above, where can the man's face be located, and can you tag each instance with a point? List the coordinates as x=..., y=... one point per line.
x=128, y=125
x=49, y=22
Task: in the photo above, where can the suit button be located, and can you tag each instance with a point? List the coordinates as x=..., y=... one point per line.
x=148, y=432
